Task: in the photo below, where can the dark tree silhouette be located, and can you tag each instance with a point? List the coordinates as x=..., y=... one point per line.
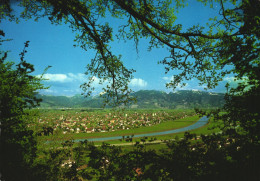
x=17, y=93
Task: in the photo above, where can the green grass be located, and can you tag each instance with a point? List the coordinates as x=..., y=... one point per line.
x=168, y=125
x=209, y=128
x=164, y=126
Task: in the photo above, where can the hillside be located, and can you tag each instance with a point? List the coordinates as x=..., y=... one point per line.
x=179, y=99
x=145, y=99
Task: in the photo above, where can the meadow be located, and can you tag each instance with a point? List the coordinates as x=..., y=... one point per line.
x=71, y=124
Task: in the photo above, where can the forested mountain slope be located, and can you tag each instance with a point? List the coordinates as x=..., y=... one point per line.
x=145, y=99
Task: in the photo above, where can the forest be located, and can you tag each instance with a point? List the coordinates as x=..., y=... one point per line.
x=149, y=99
x=227, y=44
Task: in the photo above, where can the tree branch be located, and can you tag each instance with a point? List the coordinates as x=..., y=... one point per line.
x=139, y=16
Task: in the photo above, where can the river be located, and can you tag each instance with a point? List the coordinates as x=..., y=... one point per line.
x=201, y=122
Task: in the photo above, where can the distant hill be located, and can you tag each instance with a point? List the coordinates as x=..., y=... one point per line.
x=145, y=99
x=179, y=99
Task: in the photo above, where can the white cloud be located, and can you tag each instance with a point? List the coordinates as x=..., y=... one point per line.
x=233, y=82
x=168, y=78
x=48, y=91
x=78, y=77
x=186, y=87
x=233, y=79
x=96, y=81
x=201, y=87
x=229, y=79
x=64, y=78
x=69, y=84
x=63, y=84
x=56, y=77
x=138, y=83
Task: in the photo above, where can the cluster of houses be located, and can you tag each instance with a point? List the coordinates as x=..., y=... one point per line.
x=82, y=122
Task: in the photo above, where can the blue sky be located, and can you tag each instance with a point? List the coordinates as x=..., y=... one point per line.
x=53, y=45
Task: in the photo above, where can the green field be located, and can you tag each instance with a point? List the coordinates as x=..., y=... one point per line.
x=170, y=119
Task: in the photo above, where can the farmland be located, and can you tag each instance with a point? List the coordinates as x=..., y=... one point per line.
x=64, y=124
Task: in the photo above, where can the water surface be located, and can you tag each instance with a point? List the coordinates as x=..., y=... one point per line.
x=201, y=122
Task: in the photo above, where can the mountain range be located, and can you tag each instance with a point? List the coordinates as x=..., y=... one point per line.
x=184, y=99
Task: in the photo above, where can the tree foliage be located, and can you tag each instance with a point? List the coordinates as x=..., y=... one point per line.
x=17, y=94
x=228, y=44
x=231, y=39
